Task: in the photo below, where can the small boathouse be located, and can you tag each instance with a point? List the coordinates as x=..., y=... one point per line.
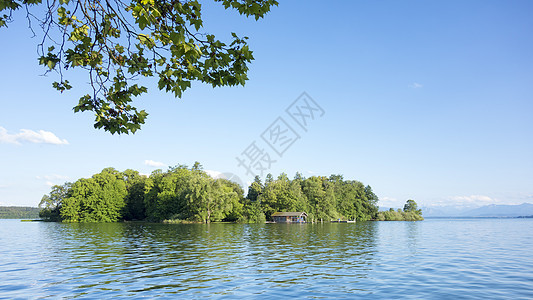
x=289, y=217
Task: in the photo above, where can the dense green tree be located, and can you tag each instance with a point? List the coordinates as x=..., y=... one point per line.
x=183, y=194
x=410, y=212
x=51, y=203
x=372, y=201
x=300, y=200
x=298, y=177
x=327, y=207
x=268, y=179
x=354, y=199
x=201, y=203
x=134, y=201
x=197, y=166
x=255, y=189
x=231, y=200
x=322, y=198
x=252, y=208
x=286, y=199
x=117, y=42
x=411, y=206
x=152, y=188
x=165, y=193
x=96, y=199
x=268, y=200
x=234, y=196
x=316, y=196
x=210, y=200
x=348, y=199
x=233, y=185
x=278, y=196
x=254, y=213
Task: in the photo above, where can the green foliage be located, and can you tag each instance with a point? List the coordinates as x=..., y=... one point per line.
x=323, y=198
x=165, y=193
x=411, y=206
x=410, y=213
x=355, y=201
x=118, y=42
x=278, y=196
x=191, y=195
x=183, y=195
x=255, y=189
x=96, y=199
x=51, y=203
x=232, y=195
x=316, y=195
x=134, y=201
x=252, y=213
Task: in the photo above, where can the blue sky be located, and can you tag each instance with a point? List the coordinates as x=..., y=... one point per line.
x=428, y=100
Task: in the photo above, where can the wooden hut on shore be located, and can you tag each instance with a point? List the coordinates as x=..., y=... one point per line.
x=289, y=217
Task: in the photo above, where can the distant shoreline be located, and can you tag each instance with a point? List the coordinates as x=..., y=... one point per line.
x=19, y=212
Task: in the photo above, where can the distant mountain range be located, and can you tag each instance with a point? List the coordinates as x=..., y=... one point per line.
x=493, y=210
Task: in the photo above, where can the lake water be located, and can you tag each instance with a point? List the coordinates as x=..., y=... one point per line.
x=436, y=258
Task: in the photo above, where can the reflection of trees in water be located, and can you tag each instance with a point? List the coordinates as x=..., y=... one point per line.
x=83, y=256
x=140, y=258
x=287, y=254
x=412, y=236
x=82, y=241
x=347, y=249
x=191, y=256
x=398, y=246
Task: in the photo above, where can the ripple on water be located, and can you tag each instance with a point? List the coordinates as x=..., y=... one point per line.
x=430, y=259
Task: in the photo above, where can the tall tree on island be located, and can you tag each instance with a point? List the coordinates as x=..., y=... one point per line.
x=96, y=199
x=411, y=206
x=51, y=203
x=134, y=201
x=183, y=194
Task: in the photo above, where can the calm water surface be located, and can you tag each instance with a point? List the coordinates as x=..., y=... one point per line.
x=469, y=258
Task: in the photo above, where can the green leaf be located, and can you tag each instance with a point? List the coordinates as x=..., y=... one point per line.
x=177, y=38
x=61, y=12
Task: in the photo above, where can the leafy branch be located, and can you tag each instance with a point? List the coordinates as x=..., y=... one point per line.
x=117, y=42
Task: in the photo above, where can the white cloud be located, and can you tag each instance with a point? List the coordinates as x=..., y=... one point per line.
x=214, y=174
x=52, y=177
x=415, y=85
x=154, y=164
x=473, y=199
x=468, y=201
x=30, y=136
x=390, y=202
x=529, y=197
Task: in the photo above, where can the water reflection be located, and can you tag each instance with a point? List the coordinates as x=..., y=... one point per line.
x=430, y=259
x=412, y=236
x=197, y=259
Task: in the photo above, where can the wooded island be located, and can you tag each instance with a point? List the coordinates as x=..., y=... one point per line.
x=183, y=194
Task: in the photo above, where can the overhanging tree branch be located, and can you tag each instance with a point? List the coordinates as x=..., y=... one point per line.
x=116, y=42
